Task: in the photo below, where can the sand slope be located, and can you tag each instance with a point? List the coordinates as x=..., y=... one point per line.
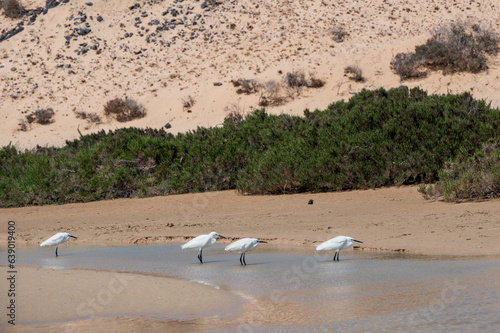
x=163, y=52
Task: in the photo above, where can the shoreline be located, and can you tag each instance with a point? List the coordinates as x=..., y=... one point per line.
x=289, y=244
x=388, y=219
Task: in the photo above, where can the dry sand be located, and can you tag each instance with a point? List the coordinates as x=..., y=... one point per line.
x=250, y=39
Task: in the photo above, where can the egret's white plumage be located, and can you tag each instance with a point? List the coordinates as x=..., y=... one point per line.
x=242, y=246
x=337, y=243
x=201, y=242
x=57, y=239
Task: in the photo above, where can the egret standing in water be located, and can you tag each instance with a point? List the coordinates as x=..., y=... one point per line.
x=57, y=239
x=242, y=246
x=201, y=242
x=338, y=243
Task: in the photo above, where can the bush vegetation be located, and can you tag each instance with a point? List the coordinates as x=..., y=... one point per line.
x=295, y=81
x=338, y=34
x=269, y=91
x=91, y=117
x=12, y=8
x=458, y=47
x=377, y=138
x=269, y=94
x=355, y=73
x=40, y=116
x=246, y=86
x=124, y=109
x=469, y=178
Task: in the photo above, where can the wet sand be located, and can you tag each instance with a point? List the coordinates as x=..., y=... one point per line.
x=110, y=300
x=389, y=219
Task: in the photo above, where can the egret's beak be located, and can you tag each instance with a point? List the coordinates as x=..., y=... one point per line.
x=73, y=236
x=259, y=241
x=221, y=236
x=357, y=241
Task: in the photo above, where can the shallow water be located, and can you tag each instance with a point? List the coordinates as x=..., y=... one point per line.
x=295, y=290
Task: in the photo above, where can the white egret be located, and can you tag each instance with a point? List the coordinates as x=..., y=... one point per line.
x=338, y=243
x=201, y=242
x=242, y=246
x=57, y=239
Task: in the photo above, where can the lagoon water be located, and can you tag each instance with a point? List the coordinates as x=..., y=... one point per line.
x=297, y=290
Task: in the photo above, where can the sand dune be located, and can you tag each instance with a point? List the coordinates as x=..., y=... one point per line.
x=76, y=57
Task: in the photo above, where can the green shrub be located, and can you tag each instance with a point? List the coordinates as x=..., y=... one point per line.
x=469, y=178
x=377, y=138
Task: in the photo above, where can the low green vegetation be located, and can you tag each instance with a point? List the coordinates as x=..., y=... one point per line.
x=469, y=178
x=377, y=138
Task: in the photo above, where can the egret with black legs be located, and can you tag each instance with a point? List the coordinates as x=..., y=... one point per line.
x=57, y=239
x=201, y=242
x=243, y=246
x=336, y=244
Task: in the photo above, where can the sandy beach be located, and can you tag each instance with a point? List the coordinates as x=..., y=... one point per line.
x=390, y=219
x=387, y=219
